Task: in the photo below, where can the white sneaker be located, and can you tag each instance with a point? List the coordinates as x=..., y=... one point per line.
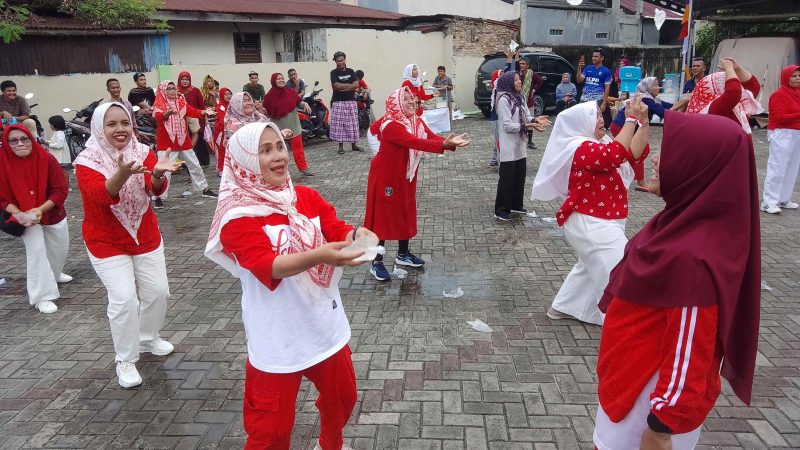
x=157, y=346
x=345, y=446
x=788, y=205
x=64, y=278
x=127, y=375
x=770, y=209
x=46, y=307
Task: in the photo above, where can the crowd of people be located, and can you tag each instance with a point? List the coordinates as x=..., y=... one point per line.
x=677, y=290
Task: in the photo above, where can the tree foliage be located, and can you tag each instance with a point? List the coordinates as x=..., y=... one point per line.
x=109, y=14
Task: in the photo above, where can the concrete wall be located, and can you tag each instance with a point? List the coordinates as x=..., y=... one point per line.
x=482, y=9
x=381, y=54
x=580, y=27
x=191, y=43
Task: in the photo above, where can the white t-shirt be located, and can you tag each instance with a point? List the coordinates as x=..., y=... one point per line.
x=287, y=330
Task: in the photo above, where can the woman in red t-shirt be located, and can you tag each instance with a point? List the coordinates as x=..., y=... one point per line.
x=284, y=243
x=172, y=111
x=33, y=190
x=592, y=173
x=784, y=143
x=116, y=176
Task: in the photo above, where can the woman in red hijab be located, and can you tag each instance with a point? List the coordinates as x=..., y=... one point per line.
x=225, y=95
x=194, y=98
x=33, y=190
x=684, y=301
x=784, y=143
x=280, y=103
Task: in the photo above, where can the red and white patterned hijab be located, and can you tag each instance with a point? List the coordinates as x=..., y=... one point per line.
x=243, y=192
x=413, y=124
x=100, y=156
x=176, y=126
x=711, y=87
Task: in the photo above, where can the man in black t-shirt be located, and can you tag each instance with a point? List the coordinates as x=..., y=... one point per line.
x=344, y=109
x=142, y=96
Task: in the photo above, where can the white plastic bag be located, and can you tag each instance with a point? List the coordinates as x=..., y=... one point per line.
x=479, y=325
x=399, y=273
x=454, y=293
x=367, y=244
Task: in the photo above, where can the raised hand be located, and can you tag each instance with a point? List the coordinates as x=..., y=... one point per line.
x=543, y=120
x=456, y=141
x=164, y=164
x=128, y=168
x=726, y=64
x=287, y=133
x=332, y=254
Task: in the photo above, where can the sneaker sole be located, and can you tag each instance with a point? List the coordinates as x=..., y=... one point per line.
x=407, y=264
x=502, y=218
x=128, y=386
x=773, y=213
x=142, y=350
x=374, y=274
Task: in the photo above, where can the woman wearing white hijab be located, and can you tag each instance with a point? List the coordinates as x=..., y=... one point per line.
x=116, y=176
x=591, y=174
x=413, y=81
x=284, y=244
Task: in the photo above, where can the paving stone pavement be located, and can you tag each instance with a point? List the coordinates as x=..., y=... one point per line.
x=426, y=380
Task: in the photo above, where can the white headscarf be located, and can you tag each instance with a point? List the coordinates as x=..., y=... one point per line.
x=243, y=192
x=573, y=127
x=407, y=75
x=645, y=87
x=100, y=156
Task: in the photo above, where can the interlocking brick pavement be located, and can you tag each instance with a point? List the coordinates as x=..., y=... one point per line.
x=426, y=380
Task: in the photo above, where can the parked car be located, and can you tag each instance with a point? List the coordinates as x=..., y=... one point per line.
x=549, y=66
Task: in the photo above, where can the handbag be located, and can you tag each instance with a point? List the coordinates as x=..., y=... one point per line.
x=9, y=226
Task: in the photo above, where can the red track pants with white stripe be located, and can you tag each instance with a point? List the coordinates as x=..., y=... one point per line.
x=680, y=344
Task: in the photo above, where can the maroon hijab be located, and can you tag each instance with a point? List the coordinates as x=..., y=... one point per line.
x=23, y=181
x=704, y=248
x=280, y=101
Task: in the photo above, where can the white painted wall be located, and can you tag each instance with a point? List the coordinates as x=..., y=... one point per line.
x=382, y=55
x=481, y=9
x=212, y=43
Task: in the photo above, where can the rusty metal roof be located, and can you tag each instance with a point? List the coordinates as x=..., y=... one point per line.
x=302, y=8
x=648, y=9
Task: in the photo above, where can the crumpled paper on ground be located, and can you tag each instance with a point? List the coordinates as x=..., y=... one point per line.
x=399, y=273
x=479, y=325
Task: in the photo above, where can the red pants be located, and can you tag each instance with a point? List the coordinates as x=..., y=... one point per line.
x=220, y=157
x=297, y=151
x=269, y=402
x=638, y=167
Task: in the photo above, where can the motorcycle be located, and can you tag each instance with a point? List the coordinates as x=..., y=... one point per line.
x=145, y=128
x=39, y=128
x=316, y=124
x=365, y=117
x=79, y=128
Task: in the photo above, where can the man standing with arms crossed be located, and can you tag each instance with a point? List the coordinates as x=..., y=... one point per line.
x=344, y=110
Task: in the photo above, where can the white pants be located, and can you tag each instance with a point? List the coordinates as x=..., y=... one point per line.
x=599, y=245
x=374, y=143
x=134, y=318
x=627, y=434
x=45, y=254
x=195, y=171
x=782, y=165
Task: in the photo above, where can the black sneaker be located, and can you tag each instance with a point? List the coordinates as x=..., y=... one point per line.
x=493, y=164
x=209, y=193
x=158, y=204
x=503, y=216
x=378, y=270
x=340, y=151
x=409, y=259
x=531, y=145
x=356, y=148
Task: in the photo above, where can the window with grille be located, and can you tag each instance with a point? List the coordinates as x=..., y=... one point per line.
x=556, y=32
x=247, y=48
x=601, y=35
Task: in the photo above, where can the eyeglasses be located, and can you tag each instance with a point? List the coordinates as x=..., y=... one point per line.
x=22, y=140
x=173, y=88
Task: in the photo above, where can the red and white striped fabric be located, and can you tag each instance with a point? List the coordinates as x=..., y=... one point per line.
x=677, y=345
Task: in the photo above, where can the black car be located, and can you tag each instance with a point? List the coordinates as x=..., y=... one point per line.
x=549, y=66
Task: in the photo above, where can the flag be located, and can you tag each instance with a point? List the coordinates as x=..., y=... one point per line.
x=687, y=11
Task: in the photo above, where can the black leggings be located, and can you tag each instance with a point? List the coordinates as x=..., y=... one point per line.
x=402, y=250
